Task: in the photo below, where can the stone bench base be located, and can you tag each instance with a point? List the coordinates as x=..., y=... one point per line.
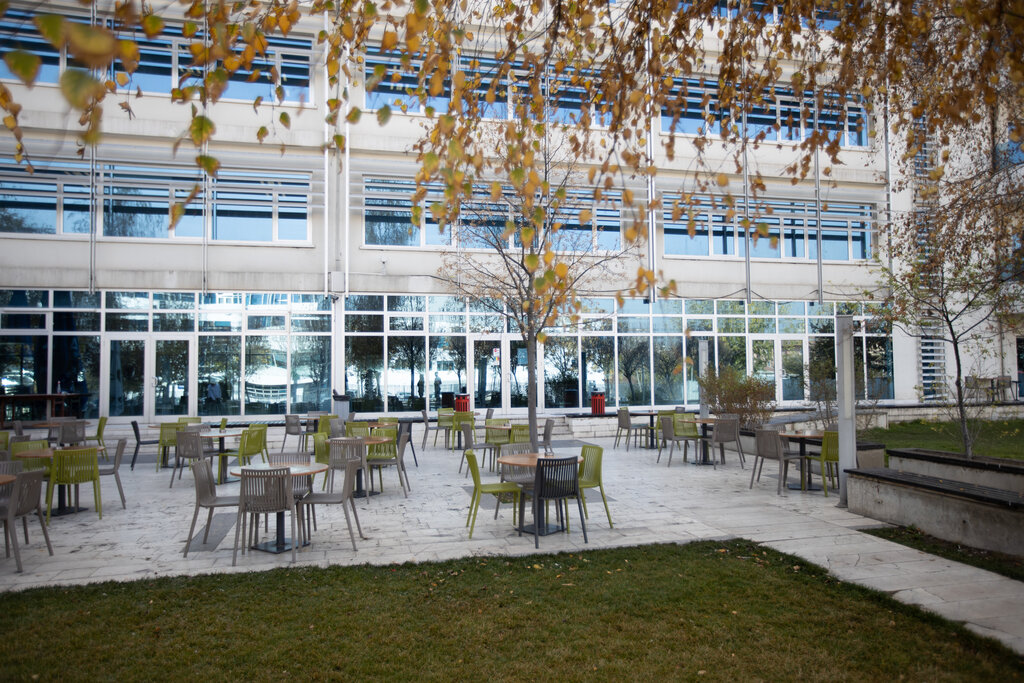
x=974, y=515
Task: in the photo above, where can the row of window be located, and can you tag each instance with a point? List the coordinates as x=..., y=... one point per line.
x=787, y=228
x=136, y=201
x=693, y=105
x=165, y=62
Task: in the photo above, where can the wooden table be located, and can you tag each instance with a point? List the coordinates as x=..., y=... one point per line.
x=7, y=479
x=530, y=460
x=281, y=543
x=222, y=466
x=802, y=437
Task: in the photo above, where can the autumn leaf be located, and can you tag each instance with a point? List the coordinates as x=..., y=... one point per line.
x=92, y=45
x=383, y=115
x=152, y=25
x=531, y=262
x=51, y=27
x=354, y=114
x=208, y=163
x=285, y=119
x=24, y=65
x=80, y=88
x=201, y=129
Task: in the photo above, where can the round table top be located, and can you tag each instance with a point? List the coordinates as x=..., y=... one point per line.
x=367, y=440
x=526, y=459
x=226, y=434
x=40, y=453
x=802, y=434
x=645, y=413
x=6, y=479
x=295, y=469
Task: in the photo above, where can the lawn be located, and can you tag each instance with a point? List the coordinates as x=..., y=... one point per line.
x=1010, y=566
x=996, y=439
x=704, y=611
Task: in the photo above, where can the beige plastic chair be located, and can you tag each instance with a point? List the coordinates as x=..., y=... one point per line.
x=72, y=433
x=470, y=444
x=726, y=430
x=24, y=499
x=769, y=447
x=112, y=470
x=293, y=427
x=263, y=492
x=628, y=428
x=189, y=447
x=341, y=494
x=206, y=497
x=545, y=442
x=301, y=487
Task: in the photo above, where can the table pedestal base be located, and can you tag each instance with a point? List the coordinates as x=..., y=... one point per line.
x=545, y=529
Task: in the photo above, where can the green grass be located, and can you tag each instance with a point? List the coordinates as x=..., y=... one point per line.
x=996, y=439
x=1009, y=566
x=704, y=611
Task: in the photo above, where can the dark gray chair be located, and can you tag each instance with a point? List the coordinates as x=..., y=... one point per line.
x=556, y=479
x=23, y=501
x=112, y=470
x=769, y=446
x=139, y=441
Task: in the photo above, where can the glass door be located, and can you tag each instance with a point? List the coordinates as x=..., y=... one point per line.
x=126, y=377
x=763, y=364
x=486, y=373
x=149, y=377
x=793, y=365
x=518, y=374
x=172, y=362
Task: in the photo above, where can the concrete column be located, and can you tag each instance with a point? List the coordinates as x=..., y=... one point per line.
x=847, y=400
x=702, y=363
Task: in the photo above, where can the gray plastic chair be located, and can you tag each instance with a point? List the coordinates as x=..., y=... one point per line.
x=545, y=442
x=293, y=427
x=727, y=430
x=139, y=441
x=206, y=497
x=628, y=428
x=340, y=494
x=189, y=447
x=23, y=501
x=556, y=479
x=113, y=469
x=769, y=447
x=263, y=492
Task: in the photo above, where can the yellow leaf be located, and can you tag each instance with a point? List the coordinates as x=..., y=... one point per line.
x=152, y=25
x=722, y=180
x=92, y=45
x=79, y=88
x=24, y=65
x=561, y=270
x=122, y=78
x=389, y=40
x=285, y=119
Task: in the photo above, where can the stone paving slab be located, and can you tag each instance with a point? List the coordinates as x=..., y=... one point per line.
x=649, y=502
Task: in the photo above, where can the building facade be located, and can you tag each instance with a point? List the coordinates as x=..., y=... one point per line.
x=297, y=272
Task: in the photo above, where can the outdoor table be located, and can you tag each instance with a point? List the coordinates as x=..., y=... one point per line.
x=530, y=460
x=281, y=543
x=7, y=479
x=704, y=422
x=802, y=438
x=650, y=414
x=222, y=466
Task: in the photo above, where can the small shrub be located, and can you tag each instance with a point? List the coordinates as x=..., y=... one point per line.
x=729, y=391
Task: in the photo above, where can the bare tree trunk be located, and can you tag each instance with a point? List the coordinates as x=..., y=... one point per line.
x=961, y=400
x=531, y=383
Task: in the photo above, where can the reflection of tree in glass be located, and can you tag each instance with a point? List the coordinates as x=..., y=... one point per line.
x=599, y=360
x=560, y=371
x=311, y=359
x=633, y=364
x=130, y=218
x=407, y=353
x=668, y=370
x=12, y=220
x=365, y=358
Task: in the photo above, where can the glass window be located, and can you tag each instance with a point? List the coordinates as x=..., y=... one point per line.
x=314, y=323
x=81, y=322
x=174, y=300
x=127, y=322
x=732, y=353
x=700, y=307
x=634, y=371
x=405, y=323
x=792, y=325
x=23, y=321
x=364, y=323
x=266, y=374
x=126, y=373
x=174, y=322
x=220, y=374
x=407, y=357
x=879, y=368
x=792, y=370
x=762, y=308
x=761, y=325
x=220, y=322
x=734, y=325
x=447, y=372
x=791, y=308
x=667, y=324
x=311, y=373
x=598, y=367
x=445, y=324
x=407, y=304
x=730, y=307
x=700, y=324
x=128, y=300
x=518, y=382
x=561, y=373
x=668, y=370
x=634, y=324
x=364, y=357
x=822, y=325
x=76, y=299
x=266, y=322
x=364, y=302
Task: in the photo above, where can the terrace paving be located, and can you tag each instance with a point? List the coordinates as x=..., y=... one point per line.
x=650, y=503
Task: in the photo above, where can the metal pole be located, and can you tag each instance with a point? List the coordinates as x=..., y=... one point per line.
x=847, y=401
x=702, y=363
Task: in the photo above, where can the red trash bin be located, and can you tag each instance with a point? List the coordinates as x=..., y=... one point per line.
x=462, y=403
x=597, y=403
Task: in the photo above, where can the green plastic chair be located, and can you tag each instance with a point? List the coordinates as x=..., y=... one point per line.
x=519, y=434
x=168, y=439
x=260, y=431
x=357, y=429
x=496, y=438
x=828, y=459
x=445, y=421
x=5, y=438
x=382, y=451
x=190, y=420
x=458, y=419
x=505, y=491
x=27, y=464
x=98, y=436
x=321, y=453
x=590, y=477
x=72, y=467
